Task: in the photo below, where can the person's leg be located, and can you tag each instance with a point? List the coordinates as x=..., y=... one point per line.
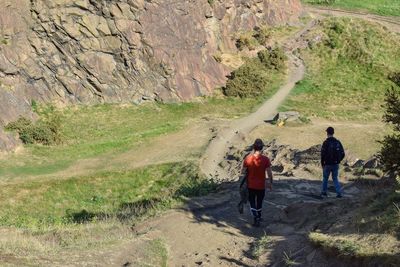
x=325, y=176
x=252, y=200
x=335, y=174
x=259, y=201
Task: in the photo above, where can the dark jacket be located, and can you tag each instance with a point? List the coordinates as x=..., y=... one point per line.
x=332, y=152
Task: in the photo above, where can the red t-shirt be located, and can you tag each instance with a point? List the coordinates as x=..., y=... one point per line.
x=256, y=166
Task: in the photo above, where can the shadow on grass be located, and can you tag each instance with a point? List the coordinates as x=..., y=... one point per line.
x=129, y=211
x=125, y=213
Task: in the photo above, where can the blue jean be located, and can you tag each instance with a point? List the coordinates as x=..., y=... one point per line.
x=328, y=169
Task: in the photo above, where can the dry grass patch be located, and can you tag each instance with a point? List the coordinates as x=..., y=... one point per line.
x=368, y=249
x=358, y=138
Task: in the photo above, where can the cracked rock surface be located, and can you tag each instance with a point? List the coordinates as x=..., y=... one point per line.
x=97, y=51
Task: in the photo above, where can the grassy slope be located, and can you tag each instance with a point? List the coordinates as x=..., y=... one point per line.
x=50, y=211
x=380, y=7
x=372, y=237
x=123, y=195
x=348, y=62
x=106, y=130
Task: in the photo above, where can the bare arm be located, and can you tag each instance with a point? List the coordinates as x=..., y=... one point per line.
x=243, y=175
x=268, y=183
x=269, y=174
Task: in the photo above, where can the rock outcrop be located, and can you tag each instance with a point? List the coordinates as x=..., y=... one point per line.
x=94, y=51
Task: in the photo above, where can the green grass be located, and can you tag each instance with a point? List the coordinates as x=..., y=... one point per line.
x=372, y=236
x=347, y=71
x=382, y=214
x=259, y=247
x=126, y=195
x=344, y=247
x=107, y=130
x=380, y=7
x=158, y=250
x=364, y=249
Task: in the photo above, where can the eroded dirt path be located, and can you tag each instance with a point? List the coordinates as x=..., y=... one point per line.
x=209, y=231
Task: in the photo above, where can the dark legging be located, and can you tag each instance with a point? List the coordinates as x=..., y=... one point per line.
x=256, y=198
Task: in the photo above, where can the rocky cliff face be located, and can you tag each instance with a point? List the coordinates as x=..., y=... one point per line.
x=94, y=51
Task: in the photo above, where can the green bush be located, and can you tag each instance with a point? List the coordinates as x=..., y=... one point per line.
x=250, y=80
x=390, y=151
x=395, y=77
x=254, y=77
x=252, y=39
x=246, y=40
x=46, y=131
x=262, y=34
x=273, y=59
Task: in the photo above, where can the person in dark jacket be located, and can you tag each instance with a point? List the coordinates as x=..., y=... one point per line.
x=332, y=153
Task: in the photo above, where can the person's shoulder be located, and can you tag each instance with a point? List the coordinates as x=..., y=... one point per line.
x=265, y=157
x=334, y=139
x=247, y=157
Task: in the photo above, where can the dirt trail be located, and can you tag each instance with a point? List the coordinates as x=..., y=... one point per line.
x=208, y=231
x=392, y=23
x=236, y=132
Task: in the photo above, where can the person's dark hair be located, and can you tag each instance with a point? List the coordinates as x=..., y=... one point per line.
x=330, y=130
x=258, y=145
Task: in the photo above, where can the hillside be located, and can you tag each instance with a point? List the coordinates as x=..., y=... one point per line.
x=88, y=52
x=155, y=183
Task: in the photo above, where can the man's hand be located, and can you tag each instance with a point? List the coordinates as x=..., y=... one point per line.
x=268, y=183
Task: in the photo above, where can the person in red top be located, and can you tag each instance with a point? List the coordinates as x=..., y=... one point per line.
x=256, y=165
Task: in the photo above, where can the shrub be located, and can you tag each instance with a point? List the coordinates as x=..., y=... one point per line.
x=395, y=77
x=253, y=78
x=262, y=34
x=250, y=80
x=246, y=40
x=273, y=59
x=46, y=131
x=390, y=151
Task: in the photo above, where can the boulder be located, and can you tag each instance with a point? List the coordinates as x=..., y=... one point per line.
x=311, y=155
x=372, y=163
x=287, y=116
x=358, y=163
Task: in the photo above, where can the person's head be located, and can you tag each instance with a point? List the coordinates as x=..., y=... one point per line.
x=258, y=145
x=330, y=131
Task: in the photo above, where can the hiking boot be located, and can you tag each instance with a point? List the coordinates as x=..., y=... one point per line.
x=256, y=222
